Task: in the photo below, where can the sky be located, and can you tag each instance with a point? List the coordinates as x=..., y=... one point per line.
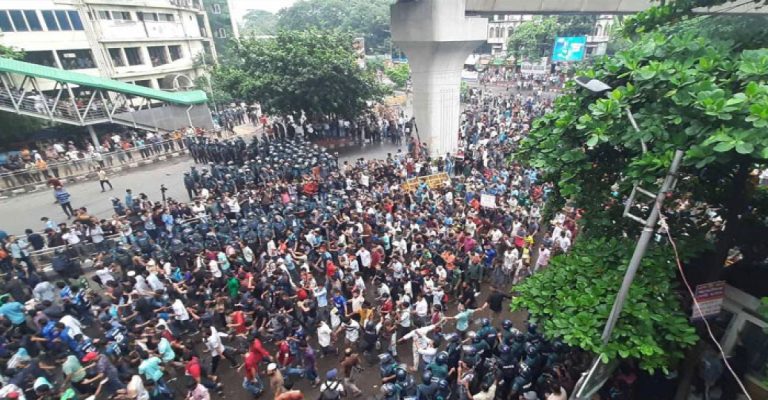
x=238, y=8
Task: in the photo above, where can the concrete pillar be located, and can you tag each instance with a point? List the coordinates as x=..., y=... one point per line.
x=436, y=37
x=94, y=138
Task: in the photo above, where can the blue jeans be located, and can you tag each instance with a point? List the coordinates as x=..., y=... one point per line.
x=254, y=387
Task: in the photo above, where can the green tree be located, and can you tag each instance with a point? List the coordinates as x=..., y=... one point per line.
x=259, y=23
x=360, y=18
x=573, y=297
x=296, y=71
x=535, y=39
x=693, y=83
x=399, y=74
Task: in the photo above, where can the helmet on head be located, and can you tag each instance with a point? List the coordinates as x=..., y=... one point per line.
x=401, y=374
x=504, y=349
x=533, y=328
x=507, y=324
x=442, y=384
x=485, y=322
x=388, y=388
x=452, y=338
x=442, y=358
x=385, y=358
x=426, y=377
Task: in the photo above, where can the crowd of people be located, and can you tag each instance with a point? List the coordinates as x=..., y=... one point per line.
x=285, y=256
x=59, y=159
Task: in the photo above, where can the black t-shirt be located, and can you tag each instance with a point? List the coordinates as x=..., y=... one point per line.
x=495, y=300
x=145, y=308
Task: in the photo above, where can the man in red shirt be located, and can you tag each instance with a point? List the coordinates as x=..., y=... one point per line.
x=195, y=370
x=251, y=382
x=238, y=320
x=258, y=350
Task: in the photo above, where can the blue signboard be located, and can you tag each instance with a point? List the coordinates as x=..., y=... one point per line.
x=569, y=49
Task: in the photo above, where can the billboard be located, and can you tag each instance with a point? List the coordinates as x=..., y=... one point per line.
x=570, y=48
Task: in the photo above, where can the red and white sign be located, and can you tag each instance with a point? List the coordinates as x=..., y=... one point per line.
x=710, y=298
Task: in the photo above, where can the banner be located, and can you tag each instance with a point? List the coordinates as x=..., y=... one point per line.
x=569, y=49
x=710, y=298
x=433, y=181
x=487, y=201
x=529, y=68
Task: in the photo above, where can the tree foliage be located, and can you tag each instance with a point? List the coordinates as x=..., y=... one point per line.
x=399, y=74
x=359, y=18
x=311, y=71
x=698, y=84
x=259, y=23
x=573, y=297
x=535, y=39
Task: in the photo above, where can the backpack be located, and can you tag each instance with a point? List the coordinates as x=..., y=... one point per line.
x=331, y=392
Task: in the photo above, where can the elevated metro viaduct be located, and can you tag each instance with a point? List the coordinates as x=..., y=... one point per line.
x=438, y=35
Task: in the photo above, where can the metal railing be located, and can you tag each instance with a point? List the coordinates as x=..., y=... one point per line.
x=22, y=178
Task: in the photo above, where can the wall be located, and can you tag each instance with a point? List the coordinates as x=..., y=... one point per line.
x=219, y=22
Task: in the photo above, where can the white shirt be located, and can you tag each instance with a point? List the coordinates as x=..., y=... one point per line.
x=214, y=267
x=422, y=308
x=105, y=275
x=180, y=311
x=352, y=330
x=71, y=238
x=75, y=327
x=214, y=344
x=324, y=335
x=365, y=257
x=357, y=303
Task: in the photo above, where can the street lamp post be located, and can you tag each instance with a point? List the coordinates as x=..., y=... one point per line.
x=649, y=225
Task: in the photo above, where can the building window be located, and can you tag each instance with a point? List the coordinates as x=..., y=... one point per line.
x=77, y=24
x=221, y=33
x=76, y=59
x=50, y=20
x=144, y=82
x=217, y=9
x=142, y=16
x=175, y=52
x=64, y=24
x=207, y=50
x=510, y=31
x=33, y=20
x=40, y=58
x=117, y=57
x=166, y=17
x=133, y=55
x=104, y=14
x=157, y=55
x=18, y=20
x=121, y=15
x=5, y=22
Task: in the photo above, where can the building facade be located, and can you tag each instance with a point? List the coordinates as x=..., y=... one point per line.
x=223, y=25
x=500, y=27
x=153, y=43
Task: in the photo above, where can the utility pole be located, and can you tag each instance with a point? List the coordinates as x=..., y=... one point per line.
x=649, y=225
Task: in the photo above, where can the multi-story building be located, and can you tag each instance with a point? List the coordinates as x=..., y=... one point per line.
x=153, y=43
x=500, y=27
x=223, y=26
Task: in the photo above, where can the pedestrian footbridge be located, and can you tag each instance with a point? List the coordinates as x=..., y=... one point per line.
x=84, y=100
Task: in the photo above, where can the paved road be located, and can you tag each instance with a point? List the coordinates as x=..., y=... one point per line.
x=25, y=211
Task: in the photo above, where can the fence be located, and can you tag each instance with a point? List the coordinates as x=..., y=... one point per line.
x=70, y=169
